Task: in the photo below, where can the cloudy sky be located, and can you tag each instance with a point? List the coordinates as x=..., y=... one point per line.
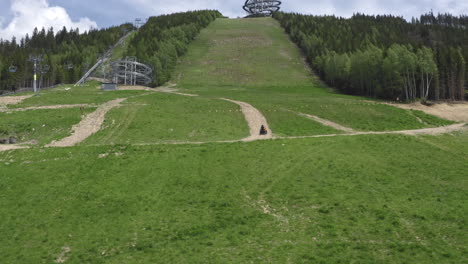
x=18, y=17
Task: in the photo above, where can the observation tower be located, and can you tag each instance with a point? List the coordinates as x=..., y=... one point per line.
x=261, y=8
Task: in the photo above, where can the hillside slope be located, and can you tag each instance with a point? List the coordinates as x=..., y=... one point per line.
x=171, y=176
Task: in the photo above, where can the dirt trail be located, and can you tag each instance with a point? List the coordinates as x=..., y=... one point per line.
x=425, y=131
x=88, y=126
x=9, y=100
x=255, y=120
x=327, y=123
x=47, y=107
x=11, y=147
x=454, y=112
x=163, y=89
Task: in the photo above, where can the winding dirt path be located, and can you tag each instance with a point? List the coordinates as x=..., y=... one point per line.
x=47, y=107
x=88, y=126
x=255, y=120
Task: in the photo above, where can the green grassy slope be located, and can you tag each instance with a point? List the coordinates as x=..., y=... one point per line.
x=342, y=199
x=159, y=118
x=68, y=94
x=40, y=126
x=253, y=60
x=327, y=200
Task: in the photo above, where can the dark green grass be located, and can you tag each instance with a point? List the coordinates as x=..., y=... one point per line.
x=253, y=60
x=88, y=94
x=41, y=126
x=165, y=117
x=369, y=199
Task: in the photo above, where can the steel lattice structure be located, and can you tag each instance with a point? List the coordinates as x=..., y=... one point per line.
x=131, y=72
x=261, y=7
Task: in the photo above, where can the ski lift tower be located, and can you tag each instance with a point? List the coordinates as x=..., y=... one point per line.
x=35, y=59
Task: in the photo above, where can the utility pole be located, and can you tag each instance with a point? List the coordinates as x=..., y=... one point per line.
x=35, y=59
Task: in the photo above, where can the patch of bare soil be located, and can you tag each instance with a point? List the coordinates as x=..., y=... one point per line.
x=47, y=107
x=10, y=100
x=88, y=126
x=454, y=112
x=255, y=120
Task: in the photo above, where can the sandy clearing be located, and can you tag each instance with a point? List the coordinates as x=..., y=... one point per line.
x=88, y=126
x=327, y=123
x=454, y=112
x=47, y=107
x=9, y=100
x=255, y=120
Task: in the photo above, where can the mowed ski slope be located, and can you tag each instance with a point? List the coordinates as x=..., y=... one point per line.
x=128, y=195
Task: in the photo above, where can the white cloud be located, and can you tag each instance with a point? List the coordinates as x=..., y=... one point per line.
x=28, y=14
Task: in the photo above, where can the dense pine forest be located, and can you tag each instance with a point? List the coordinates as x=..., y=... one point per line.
x=165, y=38
x=386, y=56
x=67, y=53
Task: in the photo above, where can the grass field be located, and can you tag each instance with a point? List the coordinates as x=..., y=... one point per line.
x=69, y=94
x=252, y=60
x=40, y=126
x=160, y=118
x=123, y=197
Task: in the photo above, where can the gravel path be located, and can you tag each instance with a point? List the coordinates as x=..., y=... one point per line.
x=88, y=126
x=255, y=120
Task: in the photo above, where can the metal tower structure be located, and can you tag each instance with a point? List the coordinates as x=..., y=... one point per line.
x=256, y=8
x=36, y=59
x=131, y=72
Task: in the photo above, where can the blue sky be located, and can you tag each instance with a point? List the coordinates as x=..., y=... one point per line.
x=18, y=17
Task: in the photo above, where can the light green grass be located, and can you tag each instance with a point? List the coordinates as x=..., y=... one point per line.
x=327, y=200
x=252, y=60
x=165, y=117
x=88, y=94
x=40, y=126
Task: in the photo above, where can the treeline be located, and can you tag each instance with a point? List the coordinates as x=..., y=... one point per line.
x=385, y=56
x=163, y=39
x=67, y=53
